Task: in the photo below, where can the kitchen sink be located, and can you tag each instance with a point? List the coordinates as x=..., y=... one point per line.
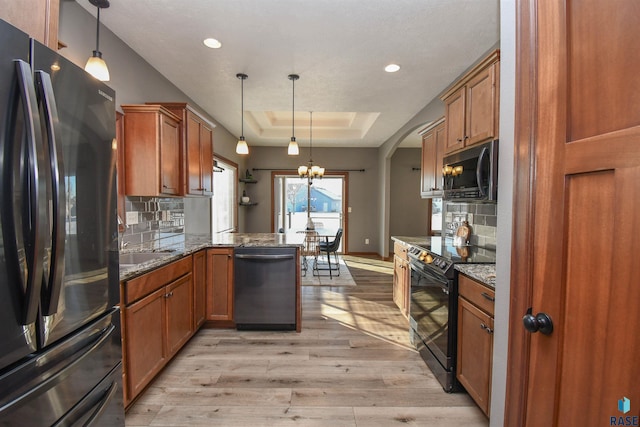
x=134, y=258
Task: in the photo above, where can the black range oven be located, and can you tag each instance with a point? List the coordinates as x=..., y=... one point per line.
x=434, y=302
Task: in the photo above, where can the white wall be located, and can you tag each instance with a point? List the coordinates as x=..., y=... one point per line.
x=505, y=212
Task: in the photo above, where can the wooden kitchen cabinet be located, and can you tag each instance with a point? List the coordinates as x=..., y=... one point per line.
x=158, y=321
x=38, y=18
x=153, y=151
x=472, y=106
x=475, y=339
x=401, y=277
x=197, y=137
x=199, y=288
x=220, y=287
x=431, y=180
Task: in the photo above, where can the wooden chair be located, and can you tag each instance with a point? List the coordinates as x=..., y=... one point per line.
x=310, y=249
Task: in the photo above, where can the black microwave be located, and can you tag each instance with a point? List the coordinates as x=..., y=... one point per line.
x=472, y=174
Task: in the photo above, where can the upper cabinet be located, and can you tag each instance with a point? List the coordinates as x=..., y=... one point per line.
x=432, y=154
x=472, y=105
x=152, y=151
x=38, y=18
x=197, y=134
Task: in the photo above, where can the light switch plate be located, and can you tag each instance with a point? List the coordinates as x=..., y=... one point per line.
x=132, y=218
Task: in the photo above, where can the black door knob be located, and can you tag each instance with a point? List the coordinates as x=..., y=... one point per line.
x=540, y=322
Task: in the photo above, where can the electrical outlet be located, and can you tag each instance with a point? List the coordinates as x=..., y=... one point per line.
x=349, y=209
x=132, y=218
x=366, y=241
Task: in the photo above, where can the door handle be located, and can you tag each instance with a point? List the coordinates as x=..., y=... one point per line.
x=540, y=322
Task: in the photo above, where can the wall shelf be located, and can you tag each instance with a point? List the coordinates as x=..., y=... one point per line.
x=248, y=204
x=248, y=181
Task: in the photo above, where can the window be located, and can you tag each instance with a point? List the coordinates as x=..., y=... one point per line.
x=436, y=216
x=225, y=216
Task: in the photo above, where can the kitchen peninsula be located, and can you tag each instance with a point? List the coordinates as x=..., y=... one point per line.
x=169, y=291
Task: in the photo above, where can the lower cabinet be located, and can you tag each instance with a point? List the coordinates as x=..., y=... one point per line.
x=220, y=287
x=158, y=321
x=475, y=339
x=401, y=277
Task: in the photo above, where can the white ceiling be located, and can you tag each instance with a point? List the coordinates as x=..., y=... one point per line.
x=338, y=47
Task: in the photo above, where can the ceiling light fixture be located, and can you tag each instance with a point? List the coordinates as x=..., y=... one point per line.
x=293, y=149
x=212, y=43
x=241, y=146
x=310, y=171
x=96, y=65
x=392, y=68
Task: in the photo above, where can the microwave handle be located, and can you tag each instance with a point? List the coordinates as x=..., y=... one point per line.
x=484, y=154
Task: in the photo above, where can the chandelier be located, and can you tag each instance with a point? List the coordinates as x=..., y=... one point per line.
x=310, y=171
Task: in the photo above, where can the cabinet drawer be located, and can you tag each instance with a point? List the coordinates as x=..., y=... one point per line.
x=476, y=293
x=400, y=249
x=149, y=282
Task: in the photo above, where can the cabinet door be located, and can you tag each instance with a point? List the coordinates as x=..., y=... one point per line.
x=455, y=122
x=401, y=284
x=220, y=284
x=145, y=353
x=475, y=352
x=38, y=18
x=192, y=163
x=169, y=156
x=179, y=313
x=481, y=107
x=431, y=165
x=427, y=183
x=206, y=160
x=199, y=286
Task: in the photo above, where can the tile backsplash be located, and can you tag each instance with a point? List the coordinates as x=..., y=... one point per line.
x=160, y=222
x=482, y=218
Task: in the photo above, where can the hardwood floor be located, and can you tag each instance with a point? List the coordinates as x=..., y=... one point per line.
x=352, y=365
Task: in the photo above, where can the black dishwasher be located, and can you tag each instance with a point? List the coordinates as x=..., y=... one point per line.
x=265, y=288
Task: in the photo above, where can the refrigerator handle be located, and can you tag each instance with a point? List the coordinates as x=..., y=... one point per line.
x=35, y=213
x=58, y=233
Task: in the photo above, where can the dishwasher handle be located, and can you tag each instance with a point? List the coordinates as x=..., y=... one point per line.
x=265, y=257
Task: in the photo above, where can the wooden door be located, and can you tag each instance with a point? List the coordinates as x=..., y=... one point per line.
x=455, y=120
x=482, y=106
x=144, y=341
x=576, y=213
x=169, y=155
x=206, y=159
x=220, y=284
x=179, y=306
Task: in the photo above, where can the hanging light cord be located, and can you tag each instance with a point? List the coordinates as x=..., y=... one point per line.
x=98, y=31
x=293, y=108
x=242, y=106
x=310, y=137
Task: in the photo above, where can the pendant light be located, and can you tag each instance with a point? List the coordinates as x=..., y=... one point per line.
x=241, y=146
x=293, y=149
x=96, y=65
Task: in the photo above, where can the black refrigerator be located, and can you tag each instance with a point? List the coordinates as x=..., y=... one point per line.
x=60, y=349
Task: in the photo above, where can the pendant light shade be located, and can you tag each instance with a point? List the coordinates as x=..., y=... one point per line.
x=293, y=149
x=95, y=64
x=241, y=146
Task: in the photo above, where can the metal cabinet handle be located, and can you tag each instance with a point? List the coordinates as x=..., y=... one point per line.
x=487, y=296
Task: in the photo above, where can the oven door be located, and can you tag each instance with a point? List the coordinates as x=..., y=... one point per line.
x=430, y=312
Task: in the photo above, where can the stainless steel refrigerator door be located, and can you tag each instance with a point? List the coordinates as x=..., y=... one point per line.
x=76, y=379
x=85, y=109
x=19, y=291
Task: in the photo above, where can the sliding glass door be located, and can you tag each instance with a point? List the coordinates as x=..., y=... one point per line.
x=295, y=202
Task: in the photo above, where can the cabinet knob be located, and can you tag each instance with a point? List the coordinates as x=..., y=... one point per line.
x=486, y=328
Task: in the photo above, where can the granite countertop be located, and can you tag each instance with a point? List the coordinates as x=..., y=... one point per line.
x=485, y=273
x=409, y=240
x=193, y=243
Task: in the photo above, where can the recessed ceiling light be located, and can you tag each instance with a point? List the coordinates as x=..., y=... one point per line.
x=392, y=68
x=212, y=43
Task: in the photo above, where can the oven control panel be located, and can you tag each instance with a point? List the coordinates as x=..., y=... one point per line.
x=426, y=257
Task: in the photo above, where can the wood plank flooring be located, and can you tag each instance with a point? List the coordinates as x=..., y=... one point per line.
x=352, y=365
